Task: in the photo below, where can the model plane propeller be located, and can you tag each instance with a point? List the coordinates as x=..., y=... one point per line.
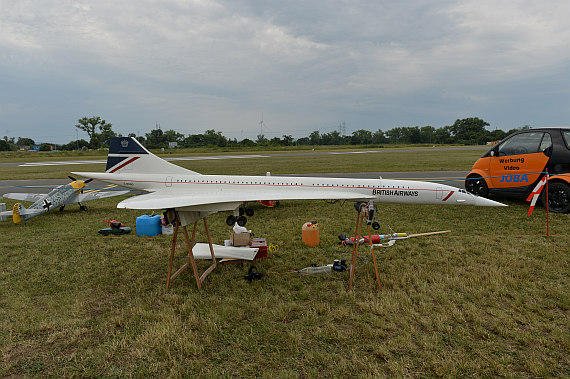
x=58, y=197
x=195, y=196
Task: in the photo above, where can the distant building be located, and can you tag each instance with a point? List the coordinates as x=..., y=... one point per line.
x=172, y=145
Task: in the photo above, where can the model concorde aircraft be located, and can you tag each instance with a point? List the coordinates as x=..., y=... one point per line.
x=59, y=197
x=195, y=196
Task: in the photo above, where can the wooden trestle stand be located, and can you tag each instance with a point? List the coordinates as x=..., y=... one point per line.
x=189, y=244
x=357, y=235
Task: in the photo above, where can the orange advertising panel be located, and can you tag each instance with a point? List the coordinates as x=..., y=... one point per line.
x=516, y=170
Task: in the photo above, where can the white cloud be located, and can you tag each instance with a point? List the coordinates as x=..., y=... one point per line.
x=314, y=62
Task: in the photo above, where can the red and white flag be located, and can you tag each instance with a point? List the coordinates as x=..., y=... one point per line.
x=533, y=197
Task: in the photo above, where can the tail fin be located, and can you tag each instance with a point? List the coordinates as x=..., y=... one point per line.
x=16, y=217
x=126, y=154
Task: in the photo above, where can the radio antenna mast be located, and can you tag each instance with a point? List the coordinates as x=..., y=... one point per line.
x=261, y=124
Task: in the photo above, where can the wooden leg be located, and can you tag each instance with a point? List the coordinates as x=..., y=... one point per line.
x=355, y=248
x=213, y=266
x=374, y=258
x=191, y=260
x=172, y=249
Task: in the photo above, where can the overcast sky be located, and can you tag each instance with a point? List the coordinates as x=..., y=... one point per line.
x=305, y=65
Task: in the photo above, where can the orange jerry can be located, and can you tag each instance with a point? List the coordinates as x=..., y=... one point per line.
x=311, y=233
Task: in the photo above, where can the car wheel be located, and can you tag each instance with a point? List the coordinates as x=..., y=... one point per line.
x=476, y=185
x=558, y=198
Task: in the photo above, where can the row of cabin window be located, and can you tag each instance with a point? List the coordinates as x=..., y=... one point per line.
x=284, y=184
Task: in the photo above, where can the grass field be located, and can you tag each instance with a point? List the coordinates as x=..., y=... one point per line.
x=488, y=299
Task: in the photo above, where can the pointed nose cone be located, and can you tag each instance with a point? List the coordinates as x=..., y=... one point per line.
x=483, y=202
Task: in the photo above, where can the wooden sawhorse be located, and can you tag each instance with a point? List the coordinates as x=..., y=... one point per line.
x=189, y=244
x=361, y=213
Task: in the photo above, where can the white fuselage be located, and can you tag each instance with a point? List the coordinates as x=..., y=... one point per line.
x=281, y=188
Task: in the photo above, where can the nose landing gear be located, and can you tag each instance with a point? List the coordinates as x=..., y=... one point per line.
x=369, y=212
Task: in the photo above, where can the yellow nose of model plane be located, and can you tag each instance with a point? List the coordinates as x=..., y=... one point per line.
x=77, y=185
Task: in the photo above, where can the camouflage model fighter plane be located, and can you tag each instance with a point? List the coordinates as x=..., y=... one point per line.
x=58, y=197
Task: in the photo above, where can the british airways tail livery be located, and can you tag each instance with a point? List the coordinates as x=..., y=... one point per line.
x=170, y=186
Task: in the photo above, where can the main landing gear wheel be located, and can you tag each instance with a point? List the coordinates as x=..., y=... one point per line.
x=231, y=220
x=62, y=208
x=241, y=220
x=82, y=207
x=476, y=185
x=375, y=225
x=558, y=197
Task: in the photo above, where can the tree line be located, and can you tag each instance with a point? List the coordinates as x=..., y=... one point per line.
x=467, y=131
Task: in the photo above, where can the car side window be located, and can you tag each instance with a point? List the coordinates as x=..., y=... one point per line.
x=566, y=134
x=524, y=143
x=546, y=142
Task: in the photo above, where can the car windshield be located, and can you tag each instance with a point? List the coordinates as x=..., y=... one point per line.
x=566, y=134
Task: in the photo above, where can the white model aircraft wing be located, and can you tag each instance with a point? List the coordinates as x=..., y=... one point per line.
x=156, y=200
x=5, y=213
x=96, y=195
x=33, y=197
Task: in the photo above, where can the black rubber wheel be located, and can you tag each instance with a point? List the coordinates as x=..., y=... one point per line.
x=83, y=207
x=476, y=185
x=231, y=220
x=375, y=225
x=248, y=212
x=241, y=221
x=558, y=197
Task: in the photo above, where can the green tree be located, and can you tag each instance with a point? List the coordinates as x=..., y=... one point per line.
x=469, y=130
x=90, y=126
x=315, y=138
x=213, y=138
x=379, y=137
x=427, y=134
x=155, y=139
x=332, y=138
x=395, y=135
x=287, y=140
x=4, y=145
x=174, y=136
x=75, y=145
x=25, y=141
x=443, y=135
x=247, y=142
x=411, y=134
x=106, y=135
x=361, y=137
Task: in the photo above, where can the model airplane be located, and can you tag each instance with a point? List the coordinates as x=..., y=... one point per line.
x=59, y=197
x=195, y=196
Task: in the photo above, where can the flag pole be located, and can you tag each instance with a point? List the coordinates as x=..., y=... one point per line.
x=547, y=207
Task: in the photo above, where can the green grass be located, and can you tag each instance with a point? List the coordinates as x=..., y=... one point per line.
x=488, y=299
